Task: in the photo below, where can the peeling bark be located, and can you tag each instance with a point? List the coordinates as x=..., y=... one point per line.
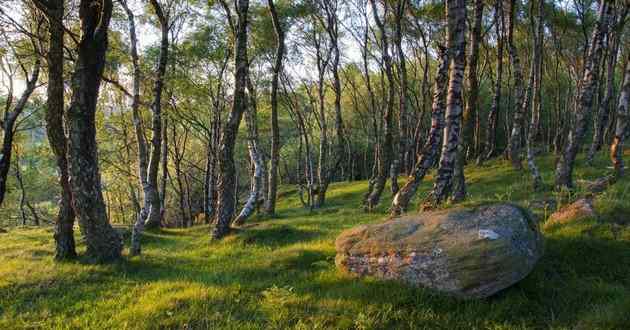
x=456, y=14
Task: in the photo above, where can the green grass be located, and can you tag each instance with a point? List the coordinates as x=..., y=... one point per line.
x=280, y=273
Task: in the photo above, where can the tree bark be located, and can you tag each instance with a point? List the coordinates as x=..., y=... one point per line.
x=456, y=14
x=386, y=151
x=490, y=145
x=514, y=146
x=270, y=201
x=64, y=223
x=143, y=152
x=470, y=110
x=432, y=145
x=148, y=165
x=164, y=166
x=103, y=242
x=179, y=148
x=8, y=126
x=621, y=128
x=590, y=77
x=332, y=27
x=256, y=159
x=403, y=117
x=602, y=120
x=152, y=199
x=227, y=170
x=536, y=93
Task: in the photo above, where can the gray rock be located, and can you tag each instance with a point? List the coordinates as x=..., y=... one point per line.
x=598, y=185
x=580, y=209
x=468, y=253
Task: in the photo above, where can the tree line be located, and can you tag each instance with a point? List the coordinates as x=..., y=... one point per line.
x=174, y=113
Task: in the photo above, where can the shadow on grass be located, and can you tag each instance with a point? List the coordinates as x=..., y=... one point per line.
x=275, y=235
x=576, y=275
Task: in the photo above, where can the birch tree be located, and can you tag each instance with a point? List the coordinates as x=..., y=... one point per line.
x=585, y=99
x=227, y=171
x=431, y=148
x=456, y=16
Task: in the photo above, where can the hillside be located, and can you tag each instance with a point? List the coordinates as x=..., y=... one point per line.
x=280, y=273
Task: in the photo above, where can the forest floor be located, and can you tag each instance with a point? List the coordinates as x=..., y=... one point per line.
x=280, y=273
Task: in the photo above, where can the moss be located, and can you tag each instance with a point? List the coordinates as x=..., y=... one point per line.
x=185, y=281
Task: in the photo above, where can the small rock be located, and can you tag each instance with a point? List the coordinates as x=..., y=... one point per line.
x=468, y=253
x=598, y=185
x=578, y=210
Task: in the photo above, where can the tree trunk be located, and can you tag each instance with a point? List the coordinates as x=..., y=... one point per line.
x=322, y=60
x=332, y=28
x=456, y=13
x=472, y=105
x=256, y=158
x=227, y=170
x=18, y=177
x=270, y=200
x=590, y=77
x=490, y=145
x=179, y=147
x=602, y=119
x=103, y=242
x=536, y=93
x=403, y=116
x=386, y=151
x=164, y=166
x=152, y=199
x=208, y=184
x=64, y=223
x=621, y=128
x=8, y=123
x=143, y=153
x=432, y=145
x=149, y=165
x=514, y=147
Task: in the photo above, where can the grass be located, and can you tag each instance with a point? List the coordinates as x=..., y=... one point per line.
x=280, y=273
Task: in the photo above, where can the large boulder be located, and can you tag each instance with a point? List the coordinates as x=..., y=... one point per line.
x=469, y=253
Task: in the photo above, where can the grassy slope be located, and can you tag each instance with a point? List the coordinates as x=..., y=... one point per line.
x=280, y=273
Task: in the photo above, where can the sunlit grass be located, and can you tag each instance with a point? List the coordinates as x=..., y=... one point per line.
x=280, y=273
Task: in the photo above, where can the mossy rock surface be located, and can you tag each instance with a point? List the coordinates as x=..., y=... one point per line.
x=469, y=253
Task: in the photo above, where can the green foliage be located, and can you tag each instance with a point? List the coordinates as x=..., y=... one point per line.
x=280, y=273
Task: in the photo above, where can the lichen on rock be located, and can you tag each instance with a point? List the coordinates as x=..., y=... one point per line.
x=469, y=253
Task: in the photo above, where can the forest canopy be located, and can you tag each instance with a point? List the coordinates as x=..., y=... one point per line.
x=263, y=150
